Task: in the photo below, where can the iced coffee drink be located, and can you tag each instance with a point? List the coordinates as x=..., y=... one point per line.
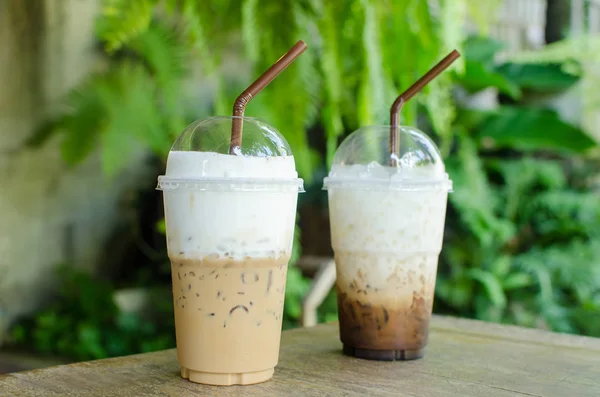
x=387, y=226
x=230, y=224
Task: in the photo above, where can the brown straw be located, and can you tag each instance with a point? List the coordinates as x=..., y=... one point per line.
x=406, y=95
x=240, y=103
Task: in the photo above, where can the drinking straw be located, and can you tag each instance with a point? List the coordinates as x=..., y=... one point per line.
x=409, y=93
x=246, y=96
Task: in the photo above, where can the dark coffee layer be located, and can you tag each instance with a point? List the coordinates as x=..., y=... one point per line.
x=383, y=355
x=366, y=326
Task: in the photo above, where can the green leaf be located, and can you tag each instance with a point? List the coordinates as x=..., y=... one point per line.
x=532, y=129
x=371, y=101
x=166, y=59
x=19, y=334
x=564, y=213
x=456, y=292
x=477, y=77
x=500, y=267
x=332, y=73
x=84, y=122
x=538, y=269
x=481, y=49
x=296, y=288
x=522, y=178
x=122, y=20
x=128, y=323
x=492, y=286
x=90, y=339
x=474, y=199
x=543, y=78
x=517, y=281
x=251, y=29
x=486, y=310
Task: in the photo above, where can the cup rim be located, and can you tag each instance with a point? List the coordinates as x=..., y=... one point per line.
x=168, y=183
x=428, y=184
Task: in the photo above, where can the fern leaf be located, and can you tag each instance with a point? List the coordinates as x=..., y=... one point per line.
x=572, y=266
x=331, y=68
x=310, y=79
x=441, y=109
x=84, y=121
x=491, y=285
x=167, y=59
x=250, y=29
x=564, y=214
x=194, y=22
x=453, y=17
x=407, y=28
x=372, y=106
x=534, y=264
x=474, y=199
x=522, y=176
x=123, y=20
x=129, y=96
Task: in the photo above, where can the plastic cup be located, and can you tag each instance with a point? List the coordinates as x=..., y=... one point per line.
x=387, y=226
x=230, y=225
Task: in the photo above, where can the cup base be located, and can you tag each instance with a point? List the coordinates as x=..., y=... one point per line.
x=224, y=379
x=383, y=355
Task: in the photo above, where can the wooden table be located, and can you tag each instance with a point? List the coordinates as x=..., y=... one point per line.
x=464, y=358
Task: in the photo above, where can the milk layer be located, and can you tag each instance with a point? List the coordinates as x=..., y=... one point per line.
x=216, y=223
x=386, y=241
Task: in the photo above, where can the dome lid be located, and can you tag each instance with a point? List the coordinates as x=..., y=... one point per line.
x=363, y=160
x=200, y=160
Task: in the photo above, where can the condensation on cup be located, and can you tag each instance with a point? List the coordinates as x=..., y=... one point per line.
x=387, y=226
x=230, y=225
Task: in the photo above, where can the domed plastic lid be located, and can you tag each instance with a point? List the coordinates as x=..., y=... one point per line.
x=200, y=160
x=363, y=161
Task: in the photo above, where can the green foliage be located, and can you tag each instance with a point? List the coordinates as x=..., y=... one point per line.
x=84, y=323
x=99, y=111
x=577, y=56
x=122, y=20
x=541, y=78
x=530, y=129
x=522, y=240
x=362, y=53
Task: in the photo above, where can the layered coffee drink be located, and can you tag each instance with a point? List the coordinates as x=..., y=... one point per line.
x=387, y=226
x=230, y=224
x=386, y=270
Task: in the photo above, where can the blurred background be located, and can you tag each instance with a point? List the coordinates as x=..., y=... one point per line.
x=93, y=93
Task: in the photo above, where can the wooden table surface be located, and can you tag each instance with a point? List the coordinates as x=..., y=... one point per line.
x=464, y=358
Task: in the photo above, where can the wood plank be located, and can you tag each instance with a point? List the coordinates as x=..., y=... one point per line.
x=464, y=358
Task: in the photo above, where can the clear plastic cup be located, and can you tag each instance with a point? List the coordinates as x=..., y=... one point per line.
x=230, y=225
x=387, y=226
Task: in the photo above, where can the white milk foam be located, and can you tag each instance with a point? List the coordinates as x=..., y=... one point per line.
x=195, y=165
x=378, y=173
x=386, y=231
x=219, y=224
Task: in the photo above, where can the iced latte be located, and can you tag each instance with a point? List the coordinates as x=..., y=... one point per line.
x=230, y=224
